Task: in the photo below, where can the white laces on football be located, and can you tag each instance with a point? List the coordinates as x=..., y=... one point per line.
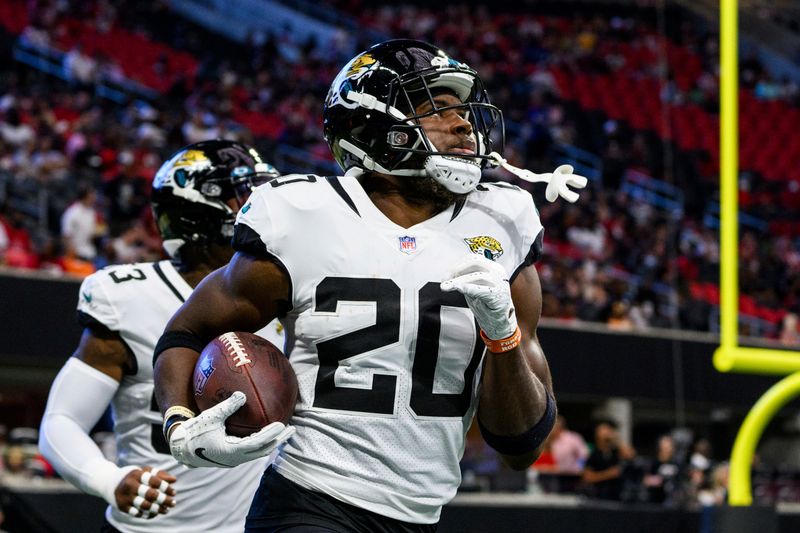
x=558, y=182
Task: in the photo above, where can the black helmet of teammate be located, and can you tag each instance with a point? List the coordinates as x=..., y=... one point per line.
x=370, y=118
x=193, y=191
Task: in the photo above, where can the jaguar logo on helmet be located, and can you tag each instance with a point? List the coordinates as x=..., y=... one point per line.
x=180, y=169
x=192, y=159
x=344, y=81
x=362, y=62
x=489, y=247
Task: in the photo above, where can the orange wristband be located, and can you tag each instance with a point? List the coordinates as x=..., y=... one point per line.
x=503, y=345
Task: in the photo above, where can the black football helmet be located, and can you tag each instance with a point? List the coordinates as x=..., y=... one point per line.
x=371, y=123
x=193, y=189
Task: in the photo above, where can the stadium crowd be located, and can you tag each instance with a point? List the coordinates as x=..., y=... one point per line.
x=76, y=167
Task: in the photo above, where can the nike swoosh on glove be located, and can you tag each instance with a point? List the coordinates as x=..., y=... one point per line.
x=202, y=441
x=484, y=284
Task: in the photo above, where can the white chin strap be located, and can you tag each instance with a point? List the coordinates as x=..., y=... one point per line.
x=557, y=181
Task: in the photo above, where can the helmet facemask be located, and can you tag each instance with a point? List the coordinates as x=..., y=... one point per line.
x=458, y=171
x=240, y=184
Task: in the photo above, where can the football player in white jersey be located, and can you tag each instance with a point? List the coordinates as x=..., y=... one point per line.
x=409, y=297
x=123, y=310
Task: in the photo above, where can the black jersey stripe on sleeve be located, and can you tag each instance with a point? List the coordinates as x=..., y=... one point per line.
x=337, y=186
x=85, y=320
x=247, y=241
x=533, y=255
x=169, y=284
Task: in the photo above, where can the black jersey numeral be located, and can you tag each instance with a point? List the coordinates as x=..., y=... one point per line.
x=386, y=330
x=380, y=398
x=425, y=402
x=136, y=274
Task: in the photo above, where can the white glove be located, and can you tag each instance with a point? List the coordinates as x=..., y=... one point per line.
x=485, y=286
x=202, y=441
x=558, y=181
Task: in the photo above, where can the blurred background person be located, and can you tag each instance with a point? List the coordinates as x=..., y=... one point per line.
x=603, y=473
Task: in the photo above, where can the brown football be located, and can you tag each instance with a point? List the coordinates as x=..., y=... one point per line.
x=246, y=362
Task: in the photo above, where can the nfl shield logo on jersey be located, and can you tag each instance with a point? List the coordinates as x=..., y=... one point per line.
x=408, y=245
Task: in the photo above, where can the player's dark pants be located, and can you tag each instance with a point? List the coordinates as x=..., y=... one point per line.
x=282, y=506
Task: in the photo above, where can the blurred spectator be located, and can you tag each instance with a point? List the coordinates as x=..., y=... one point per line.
x=618, y=317
x=662, y=477
x=701, y=455
x=15, y=463
x=79, y=225
x=790, y=335
x=603, y=473
x=200, y=127
x=16, y=247
x=714, y=490
x=127, y=194
x=48, y=161
x=13, y=131
x=79, y=68
x=133, y=245
x=568, y=448
x=546, y=462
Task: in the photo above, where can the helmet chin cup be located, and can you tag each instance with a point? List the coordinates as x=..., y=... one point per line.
x=457, y=175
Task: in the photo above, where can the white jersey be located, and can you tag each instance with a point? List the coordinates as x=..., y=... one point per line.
x=137, y=301
x=388, y=365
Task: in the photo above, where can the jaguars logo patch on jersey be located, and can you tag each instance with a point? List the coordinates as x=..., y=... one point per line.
x=487, y=246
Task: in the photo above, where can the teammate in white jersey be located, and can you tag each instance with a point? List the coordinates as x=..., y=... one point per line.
x=123, y=310
x=408, y=296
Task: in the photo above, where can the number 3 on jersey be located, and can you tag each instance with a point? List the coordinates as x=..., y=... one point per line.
x=380, y=398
